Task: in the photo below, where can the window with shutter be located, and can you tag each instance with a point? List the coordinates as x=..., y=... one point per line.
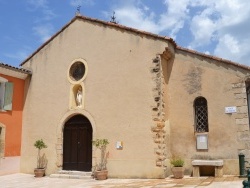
x=2, y=91
x=6, y=94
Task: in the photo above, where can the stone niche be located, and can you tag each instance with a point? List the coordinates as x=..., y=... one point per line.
x=77, y=96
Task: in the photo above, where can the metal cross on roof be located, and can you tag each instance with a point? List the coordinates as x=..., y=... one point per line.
x=78, y=10
x=113, y=18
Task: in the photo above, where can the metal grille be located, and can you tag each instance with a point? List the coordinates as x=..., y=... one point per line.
x=201, y=116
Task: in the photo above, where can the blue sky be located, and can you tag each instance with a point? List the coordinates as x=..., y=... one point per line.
x=219, y=28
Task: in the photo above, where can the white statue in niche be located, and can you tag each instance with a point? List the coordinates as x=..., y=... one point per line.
x=79, y=97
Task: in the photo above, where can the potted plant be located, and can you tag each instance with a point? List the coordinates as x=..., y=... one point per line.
x=177, y=167
x=41, y=159
x=100, y=171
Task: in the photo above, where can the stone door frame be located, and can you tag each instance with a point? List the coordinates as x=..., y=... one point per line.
x=59, y=133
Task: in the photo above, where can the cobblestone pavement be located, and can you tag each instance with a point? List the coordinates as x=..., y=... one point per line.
x=29, y=181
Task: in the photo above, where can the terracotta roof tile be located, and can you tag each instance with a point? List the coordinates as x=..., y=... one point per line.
x=122, y=27
x=138, y=32
x=21, y=70
x=213, y=57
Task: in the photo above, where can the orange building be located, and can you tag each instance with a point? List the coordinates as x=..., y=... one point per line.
x=11, y=107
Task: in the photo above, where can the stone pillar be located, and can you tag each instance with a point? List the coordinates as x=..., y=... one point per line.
x=196, y=171
x=218, y=171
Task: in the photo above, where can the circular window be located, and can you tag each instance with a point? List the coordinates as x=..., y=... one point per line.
x=77, y=71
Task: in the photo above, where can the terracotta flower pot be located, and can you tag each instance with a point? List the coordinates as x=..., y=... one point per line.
x=101, y=175
x=178, y=172
x=39, y=172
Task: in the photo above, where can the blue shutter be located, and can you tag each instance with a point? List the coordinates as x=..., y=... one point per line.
x=8, y=96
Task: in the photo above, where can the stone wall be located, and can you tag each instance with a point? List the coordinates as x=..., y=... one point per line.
x=241, y=118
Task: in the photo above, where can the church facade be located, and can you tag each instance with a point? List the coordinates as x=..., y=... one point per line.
x=151, y=98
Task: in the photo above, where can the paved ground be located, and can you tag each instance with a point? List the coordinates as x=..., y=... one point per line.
x=19, y=180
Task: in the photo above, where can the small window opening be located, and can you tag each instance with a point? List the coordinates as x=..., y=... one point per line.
x=201, y=115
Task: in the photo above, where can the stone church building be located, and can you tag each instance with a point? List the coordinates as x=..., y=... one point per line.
x=151, y=98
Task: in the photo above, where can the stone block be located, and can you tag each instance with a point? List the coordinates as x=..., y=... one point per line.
x=242, y=136
x=242, y=109
x=207, y=162
x=59, y=160
x=58, y=146
x=240, y=102
x=218, y=166
x=54, y=176
x=240, y=95
x=231, y=166
x=242, y=128
x=158, y=163
x=242, y=121
x=196, y=171
x=64, y=176
x=241, y=146
x=240, y=116
x=218, y=171
x=247, y=145
x=246, y=152
x=238, y=85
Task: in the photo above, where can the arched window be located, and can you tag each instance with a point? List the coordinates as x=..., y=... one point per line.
x=201, y=115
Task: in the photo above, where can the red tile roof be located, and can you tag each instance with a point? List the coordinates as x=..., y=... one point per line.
x=168, y=39
x=213, y=57
x=104, y=23
x=16, y=69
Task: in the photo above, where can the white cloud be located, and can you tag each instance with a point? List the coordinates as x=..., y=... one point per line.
x=136, y=14
x=222, y=24
x=218, y=27
x=137, y=18
x=228, y=43
x=203, y=28
x=233, y=48
x=44, y=32
x=175, y=16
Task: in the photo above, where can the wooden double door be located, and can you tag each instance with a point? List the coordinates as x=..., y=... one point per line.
x=77, y=144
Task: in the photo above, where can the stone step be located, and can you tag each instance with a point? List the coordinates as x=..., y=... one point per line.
x=69, y=174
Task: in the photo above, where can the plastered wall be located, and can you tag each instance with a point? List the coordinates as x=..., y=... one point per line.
x=117, y=97
x=190, y=77
x=11, y=121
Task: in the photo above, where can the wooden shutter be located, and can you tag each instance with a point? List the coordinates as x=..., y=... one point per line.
x=8, y=96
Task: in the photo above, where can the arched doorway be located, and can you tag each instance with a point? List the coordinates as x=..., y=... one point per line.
x=77, y=144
